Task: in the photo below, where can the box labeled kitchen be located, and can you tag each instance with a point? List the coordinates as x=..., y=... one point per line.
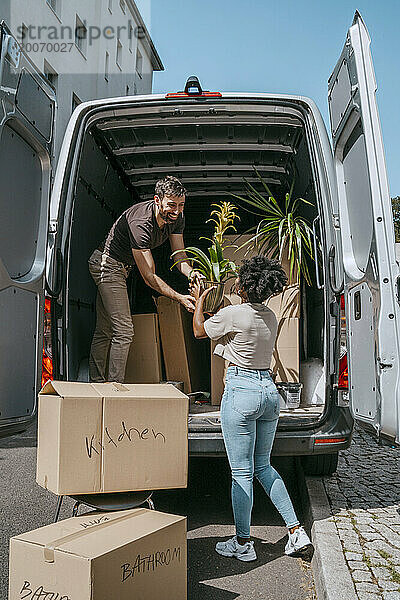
x=111, y=437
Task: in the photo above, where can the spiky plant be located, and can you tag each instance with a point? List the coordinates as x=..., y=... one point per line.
x=214, y=267
x=282, y=231
x=224, y=217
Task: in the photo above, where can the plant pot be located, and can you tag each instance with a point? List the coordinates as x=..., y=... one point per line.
x=214, y=298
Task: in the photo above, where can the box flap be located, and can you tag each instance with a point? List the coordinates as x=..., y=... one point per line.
x=71, y=389
x=138, y=390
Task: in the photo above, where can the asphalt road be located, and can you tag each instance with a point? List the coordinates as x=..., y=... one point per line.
x=25, y=506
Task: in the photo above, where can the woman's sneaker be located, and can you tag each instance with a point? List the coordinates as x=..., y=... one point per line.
x=299, y=543
x=232, y=548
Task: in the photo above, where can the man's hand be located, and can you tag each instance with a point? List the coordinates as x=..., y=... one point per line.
x=189, y=302
x=195, y=277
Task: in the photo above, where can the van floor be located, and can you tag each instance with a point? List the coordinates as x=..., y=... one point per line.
x=214, y=411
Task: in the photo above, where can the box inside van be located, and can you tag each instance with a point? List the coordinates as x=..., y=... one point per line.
x=213, y=148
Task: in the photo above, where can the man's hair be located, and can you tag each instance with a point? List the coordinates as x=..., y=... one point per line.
x=169, y=185
x=261, y=277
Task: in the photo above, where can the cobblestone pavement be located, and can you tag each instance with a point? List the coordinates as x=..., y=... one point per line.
x=365, y=502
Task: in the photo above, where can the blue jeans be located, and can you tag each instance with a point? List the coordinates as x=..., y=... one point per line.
x=249, y=418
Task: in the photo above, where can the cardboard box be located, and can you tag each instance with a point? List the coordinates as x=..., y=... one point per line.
x=111, y=437
x=284, y=305
x=144, y=359
x=122, y=555
x=285, y=358
x=186, y=359
x=287, y=304
x=218, y=364
x=218, y=372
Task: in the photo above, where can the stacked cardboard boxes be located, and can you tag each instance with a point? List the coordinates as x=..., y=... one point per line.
x=144, y=359
x=185, y=358
x=286, y=306
x=98, y=438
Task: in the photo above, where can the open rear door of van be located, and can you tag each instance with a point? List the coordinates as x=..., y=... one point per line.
x=367, y=237
x=27, y=108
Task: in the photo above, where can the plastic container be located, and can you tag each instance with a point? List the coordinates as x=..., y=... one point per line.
x=291, y=394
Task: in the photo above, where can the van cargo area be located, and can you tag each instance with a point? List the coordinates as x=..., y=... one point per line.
x=213, y=147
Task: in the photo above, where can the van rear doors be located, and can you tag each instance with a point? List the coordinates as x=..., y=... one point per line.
x=367, y=237
x=27, y=106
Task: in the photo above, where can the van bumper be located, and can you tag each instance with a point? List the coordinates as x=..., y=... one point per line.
x=295, y=442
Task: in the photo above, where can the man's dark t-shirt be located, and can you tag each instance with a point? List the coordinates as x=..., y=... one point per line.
x=137, y=228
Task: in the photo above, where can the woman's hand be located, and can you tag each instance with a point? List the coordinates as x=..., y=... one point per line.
x=195, y=291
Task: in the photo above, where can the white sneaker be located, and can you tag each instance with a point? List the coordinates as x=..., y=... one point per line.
x=298, y=542
x=232, y=548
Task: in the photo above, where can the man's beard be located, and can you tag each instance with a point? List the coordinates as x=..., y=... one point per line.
x=165, y=217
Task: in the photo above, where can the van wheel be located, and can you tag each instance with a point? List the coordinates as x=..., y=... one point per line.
x=320, y=464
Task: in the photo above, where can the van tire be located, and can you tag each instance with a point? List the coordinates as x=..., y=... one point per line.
x=320, y=464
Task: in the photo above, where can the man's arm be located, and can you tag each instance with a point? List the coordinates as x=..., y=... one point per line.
x=145, y=263
x=177, y=243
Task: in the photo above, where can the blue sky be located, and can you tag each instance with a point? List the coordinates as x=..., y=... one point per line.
x=276, y=46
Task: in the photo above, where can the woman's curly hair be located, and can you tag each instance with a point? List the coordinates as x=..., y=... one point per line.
x=261, y=277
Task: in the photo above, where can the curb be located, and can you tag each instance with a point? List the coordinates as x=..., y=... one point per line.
x=331, y=574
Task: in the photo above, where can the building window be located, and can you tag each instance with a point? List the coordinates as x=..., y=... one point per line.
x=131, y=37
x=80, y=35
x=139, y=63
x=107, y=66
x=75, y=101
x=110, y=5
x=123, y=6
x=119, y=54
x=50, y=74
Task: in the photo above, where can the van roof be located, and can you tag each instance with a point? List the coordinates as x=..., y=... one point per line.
x=224, y=96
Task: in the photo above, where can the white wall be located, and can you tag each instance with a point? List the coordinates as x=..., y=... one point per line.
x=83, y=74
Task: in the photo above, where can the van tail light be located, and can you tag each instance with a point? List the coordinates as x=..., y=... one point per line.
x=343, y=373
x=47, y=357
x=330, y=440
x=184, y=96
x=343, y=383
x=193, y=89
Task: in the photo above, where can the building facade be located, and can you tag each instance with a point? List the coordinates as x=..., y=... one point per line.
x=88, y=49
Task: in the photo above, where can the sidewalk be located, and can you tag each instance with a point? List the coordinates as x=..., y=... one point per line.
x=364, y=517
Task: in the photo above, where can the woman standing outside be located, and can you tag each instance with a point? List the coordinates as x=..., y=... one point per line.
x=246, y=336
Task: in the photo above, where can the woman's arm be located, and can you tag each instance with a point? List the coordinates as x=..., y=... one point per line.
x=198, y=317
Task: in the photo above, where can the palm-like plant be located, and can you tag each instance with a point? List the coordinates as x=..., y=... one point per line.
x=214, y=267
x=282, y=230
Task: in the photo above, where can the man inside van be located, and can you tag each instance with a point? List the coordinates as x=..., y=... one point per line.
x=136, y=232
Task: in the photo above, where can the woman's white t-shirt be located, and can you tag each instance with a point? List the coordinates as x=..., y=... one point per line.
x=246, y=334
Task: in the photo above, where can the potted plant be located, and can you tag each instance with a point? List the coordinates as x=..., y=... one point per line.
x=282, y=231
x=214, y=267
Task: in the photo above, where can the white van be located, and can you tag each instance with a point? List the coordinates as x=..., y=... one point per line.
x=113, y=152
